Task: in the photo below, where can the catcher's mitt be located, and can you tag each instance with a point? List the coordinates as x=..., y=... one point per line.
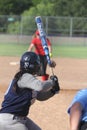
x=56, y=87
x=53, y=64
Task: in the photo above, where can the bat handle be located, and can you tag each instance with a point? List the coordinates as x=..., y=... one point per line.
x=52, y=71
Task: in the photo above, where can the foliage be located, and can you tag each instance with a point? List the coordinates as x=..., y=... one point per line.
x=43, y=9
x=72, y=8
x=14, y=6
x=32, y=8
x=13, y=28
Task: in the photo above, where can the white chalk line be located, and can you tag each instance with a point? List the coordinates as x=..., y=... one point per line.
x=14, y=63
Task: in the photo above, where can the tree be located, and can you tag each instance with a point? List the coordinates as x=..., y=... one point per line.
x=15, y=7
x=44, y=8
x=71, y=8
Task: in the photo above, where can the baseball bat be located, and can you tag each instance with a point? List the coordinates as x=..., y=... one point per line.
x=43, y=37
x=42, y=33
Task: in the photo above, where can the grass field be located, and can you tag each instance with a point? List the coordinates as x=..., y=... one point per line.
x=58, y=51
x=12, y=49
x=70, y=51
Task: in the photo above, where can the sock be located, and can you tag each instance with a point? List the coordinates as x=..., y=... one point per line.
x=45, y=77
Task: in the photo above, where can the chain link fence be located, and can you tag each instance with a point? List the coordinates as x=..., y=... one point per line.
x=61, y=30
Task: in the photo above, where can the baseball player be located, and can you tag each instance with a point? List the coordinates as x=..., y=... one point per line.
x=37, y=44
x=22, y=92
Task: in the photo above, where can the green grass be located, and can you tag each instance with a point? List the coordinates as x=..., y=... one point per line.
x=12, y=49
x=70, y=51
x=58, y=51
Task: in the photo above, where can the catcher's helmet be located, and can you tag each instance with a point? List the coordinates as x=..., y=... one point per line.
x=30, y=62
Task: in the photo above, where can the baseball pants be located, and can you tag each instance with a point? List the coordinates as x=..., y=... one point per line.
x=9, y=122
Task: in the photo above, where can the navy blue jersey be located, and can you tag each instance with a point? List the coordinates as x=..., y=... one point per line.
x=17, y=100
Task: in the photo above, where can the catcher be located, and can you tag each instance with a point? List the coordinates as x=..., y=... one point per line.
x=22, y=92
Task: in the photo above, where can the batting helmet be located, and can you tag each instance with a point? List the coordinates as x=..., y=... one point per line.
x=30, y=62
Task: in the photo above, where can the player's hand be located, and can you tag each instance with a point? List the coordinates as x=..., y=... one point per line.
x=56, y=87
x=53, y=64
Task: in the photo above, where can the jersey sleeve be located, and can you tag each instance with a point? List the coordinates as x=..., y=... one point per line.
x=29, y=81
x=33, y=41
x=81, y=97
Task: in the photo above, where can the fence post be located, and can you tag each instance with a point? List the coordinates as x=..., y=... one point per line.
x=21, y=29
x=47, y=25
x=71, y=26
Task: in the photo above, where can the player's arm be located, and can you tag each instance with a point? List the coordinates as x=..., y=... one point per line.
x=75, y=116
x=49, y=47
x=31, y=47
x=31, y=82
x=50, y=50
x=42, y=96
x=51, y=92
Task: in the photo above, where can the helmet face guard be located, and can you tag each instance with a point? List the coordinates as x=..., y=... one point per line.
x=30, y=63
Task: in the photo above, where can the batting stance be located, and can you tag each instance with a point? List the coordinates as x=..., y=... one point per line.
x=22, y=92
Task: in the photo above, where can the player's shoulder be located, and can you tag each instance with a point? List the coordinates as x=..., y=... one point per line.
x=82, y=92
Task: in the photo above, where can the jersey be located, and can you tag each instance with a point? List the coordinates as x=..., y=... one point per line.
x=17, y=100
x=38, y=46
x=81, y=97
x=22, y=94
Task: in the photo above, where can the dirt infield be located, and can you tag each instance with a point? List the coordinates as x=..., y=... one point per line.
x=50, y=114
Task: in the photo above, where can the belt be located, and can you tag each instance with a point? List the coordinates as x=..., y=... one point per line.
x=19, y=117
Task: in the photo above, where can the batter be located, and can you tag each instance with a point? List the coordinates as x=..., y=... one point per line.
x=22, y=92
